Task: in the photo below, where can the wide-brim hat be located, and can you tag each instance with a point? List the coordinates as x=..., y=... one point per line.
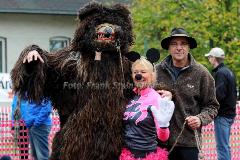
x=178, y=32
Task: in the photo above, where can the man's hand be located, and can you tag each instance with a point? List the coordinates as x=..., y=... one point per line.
x=32, y=56
x=193, y=122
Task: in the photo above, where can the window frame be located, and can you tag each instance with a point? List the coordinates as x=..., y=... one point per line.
x=58, y=38
x=3, y=63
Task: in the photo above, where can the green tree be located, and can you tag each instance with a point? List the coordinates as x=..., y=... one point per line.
x=214, y=23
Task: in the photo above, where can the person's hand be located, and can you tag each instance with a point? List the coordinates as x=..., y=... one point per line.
x=32, y=56
x=193, y=122
x=163, y=113
x=165, y=94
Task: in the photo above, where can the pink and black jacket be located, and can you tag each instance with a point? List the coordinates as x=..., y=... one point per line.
x=141, y=128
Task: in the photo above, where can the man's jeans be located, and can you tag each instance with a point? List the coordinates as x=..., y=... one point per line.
x=222, y=127
x=39, y=141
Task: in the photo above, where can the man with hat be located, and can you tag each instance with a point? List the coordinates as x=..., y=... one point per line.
x=193, y=91
x=226, y=93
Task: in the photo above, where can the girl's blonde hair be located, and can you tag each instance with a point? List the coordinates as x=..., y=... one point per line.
x=147, y=65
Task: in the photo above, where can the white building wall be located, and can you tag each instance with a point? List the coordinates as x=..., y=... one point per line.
x=21, y=30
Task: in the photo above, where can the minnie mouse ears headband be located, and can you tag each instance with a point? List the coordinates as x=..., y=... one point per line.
x=152, y=55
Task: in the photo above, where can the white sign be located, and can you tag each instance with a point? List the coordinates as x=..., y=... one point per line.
x=6, y=94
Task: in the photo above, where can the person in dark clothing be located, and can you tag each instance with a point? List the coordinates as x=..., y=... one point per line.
x=226, y=92
x=194, y=94
x=5, y=158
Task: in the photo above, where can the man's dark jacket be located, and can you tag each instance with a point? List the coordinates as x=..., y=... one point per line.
x=226, y=90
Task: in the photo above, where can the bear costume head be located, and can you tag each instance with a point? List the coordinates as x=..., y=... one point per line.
x=103, y=28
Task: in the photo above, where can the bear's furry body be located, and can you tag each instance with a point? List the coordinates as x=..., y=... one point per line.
x=89, y=94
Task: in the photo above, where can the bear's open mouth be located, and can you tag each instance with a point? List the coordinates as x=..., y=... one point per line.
x=105, y=33
x=105, y=37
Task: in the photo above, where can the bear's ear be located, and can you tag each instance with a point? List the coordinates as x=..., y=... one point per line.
x=89, y=9
x=121, y=9
x=153, y=55
x=132, y=56
x=95, y=8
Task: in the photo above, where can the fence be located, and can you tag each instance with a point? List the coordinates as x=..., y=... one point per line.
x=18, y=147
x=9, y=146
x=209, y=146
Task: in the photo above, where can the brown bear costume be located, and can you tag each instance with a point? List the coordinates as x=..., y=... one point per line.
x=89, y=83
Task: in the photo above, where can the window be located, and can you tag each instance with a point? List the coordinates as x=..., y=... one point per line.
x=59, y=42
x=3, y=55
